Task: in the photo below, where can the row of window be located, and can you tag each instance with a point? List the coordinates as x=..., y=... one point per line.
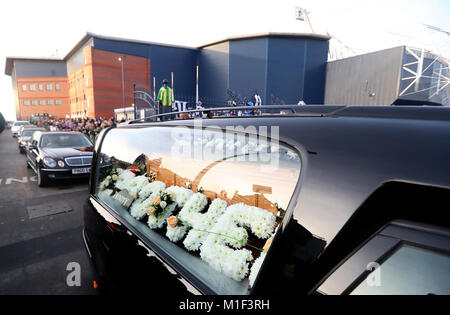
x=78, y=82
x=78, y=99
x=40, y=87
x=41, y=102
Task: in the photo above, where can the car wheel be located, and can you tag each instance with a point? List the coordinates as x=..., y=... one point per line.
x=28, y=165
x=42, y=178
x=21, y=150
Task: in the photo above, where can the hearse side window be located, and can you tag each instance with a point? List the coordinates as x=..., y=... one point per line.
x=410, y=271
x=213, y=201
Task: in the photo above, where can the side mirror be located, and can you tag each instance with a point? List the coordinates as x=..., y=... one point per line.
x=32, y=146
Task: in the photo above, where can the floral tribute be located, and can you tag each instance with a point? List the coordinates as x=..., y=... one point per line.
x=216, y=232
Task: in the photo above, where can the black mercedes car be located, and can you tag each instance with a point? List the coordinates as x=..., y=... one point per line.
x=3, y=123
x=59, y=155
x=25, y=137
x=297, y=200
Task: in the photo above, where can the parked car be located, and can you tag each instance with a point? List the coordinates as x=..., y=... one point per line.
x=17, y=125
x=25, y=137
x=59, y=155
x=299, y=200
x=21, y=129
x=3, y=123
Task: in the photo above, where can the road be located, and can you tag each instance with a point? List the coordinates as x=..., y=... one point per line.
x=40, y=230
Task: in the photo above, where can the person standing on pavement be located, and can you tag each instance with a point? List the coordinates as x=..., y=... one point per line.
x=165, y=100
x=256, y=100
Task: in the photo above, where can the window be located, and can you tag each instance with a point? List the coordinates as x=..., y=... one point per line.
x=41, y=102
x=57, y=102
x=32, y=87
x=34, y=102
x=49, y=102
x=57, y=87
x=411, y=271
x=49, y=86
x=41, y=86
x=26, y=102
x=28, y=132
x=24, y=87
x=65, y=141
x=152, y=184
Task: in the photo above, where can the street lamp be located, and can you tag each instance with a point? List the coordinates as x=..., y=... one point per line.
x=123, y=88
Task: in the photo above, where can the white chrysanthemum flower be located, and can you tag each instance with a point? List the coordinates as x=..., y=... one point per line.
x=232, y=263
x=255, y=268
x=123, y=179
x=139, y=207
x=261, y=222
x=156, y=188
x=181, y=195
x=175, y=233
x=195, y=204
x=202, y=224
x=229, y=230
x=157, y=221
x=135, y=185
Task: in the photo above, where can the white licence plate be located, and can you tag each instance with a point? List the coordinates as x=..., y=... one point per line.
x=84, y=170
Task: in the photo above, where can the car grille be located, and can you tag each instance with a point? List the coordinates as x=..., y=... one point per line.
x=79, y=161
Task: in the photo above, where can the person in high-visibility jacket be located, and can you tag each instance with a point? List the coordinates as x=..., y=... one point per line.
x=165, y=99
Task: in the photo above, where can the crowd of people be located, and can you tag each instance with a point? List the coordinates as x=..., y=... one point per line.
x=91, y=127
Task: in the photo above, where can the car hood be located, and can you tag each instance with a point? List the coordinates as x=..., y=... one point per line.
x=66, y=152
x=25, y=138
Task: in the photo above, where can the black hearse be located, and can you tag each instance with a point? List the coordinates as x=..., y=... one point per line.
x=296, y=200
x=59, y=155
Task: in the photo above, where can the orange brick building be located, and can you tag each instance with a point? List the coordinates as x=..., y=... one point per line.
x=43, y=95
x=95, y=88
x=88, y=82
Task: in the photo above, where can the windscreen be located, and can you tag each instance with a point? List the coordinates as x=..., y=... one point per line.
x=28, y=132
x=21, y=123
x=65, y=141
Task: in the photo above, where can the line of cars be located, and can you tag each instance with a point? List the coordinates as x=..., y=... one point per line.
x=53, y=155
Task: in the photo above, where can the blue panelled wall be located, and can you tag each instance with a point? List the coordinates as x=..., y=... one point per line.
x=282, y=68
x=163, y=61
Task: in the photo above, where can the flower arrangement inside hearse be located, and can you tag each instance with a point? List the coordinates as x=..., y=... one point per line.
x=232, y=239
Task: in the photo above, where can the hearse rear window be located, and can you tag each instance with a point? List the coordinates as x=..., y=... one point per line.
x=211, y=200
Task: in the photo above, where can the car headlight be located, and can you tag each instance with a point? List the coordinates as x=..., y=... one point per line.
x=61, y=163
x=49, y=162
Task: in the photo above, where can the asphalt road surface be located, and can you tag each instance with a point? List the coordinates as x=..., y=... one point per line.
x=41, y=245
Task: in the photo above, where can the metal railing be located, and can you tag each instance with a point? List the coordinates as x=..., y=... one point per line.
x=233, y=112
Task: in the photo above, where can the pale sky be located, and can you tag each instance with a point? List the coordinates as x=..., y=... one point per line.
x=40, y=28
